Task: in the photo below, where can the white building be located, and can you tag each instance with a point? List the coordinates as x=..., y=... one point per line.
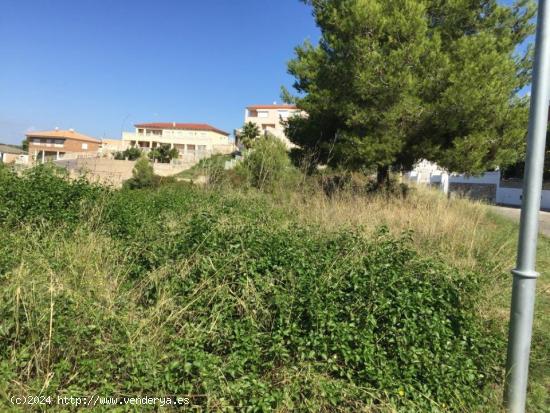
x=270, y=118
x=187, y=138
x=113, y=145
x=488, y=186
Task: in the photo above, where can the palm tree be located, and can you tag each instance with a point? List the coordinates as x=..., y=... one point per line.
x=249, y=133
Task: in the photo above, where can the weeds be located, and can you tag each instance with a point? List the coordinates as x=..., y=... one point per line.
x=346, y=303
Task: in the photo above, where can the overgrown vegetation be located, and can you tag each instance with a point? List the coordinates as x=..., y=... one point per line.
x=143, y=176
x=249, y=134
x=44, y=191
x=210, y=167
x=163, y=153
x=314, y=304
x=267, y=166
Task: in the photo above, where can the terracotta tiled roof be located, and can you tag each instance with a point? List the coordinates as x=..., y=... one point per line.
x=183, y=126
x=67, y=134
x=272, y=107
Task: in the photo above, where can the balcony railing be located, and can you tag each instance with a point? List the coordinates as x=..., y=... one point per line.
x=47, y=144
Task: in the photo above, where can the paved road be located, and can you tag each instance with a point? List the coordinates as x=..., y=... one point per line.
x=513, y=213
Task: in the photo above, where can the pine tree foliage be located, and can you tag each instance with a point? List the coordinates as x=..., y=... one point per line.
x=393, y=81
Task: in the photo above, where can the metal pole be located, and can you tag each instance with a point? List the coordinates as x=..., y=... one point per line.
x=525, y=276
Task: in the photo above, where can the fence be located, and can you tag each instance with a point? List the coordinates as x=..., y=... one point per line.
x=488, y=186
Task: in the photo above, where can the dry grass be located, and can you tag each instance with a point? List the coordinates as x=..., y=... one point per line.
x=468, y=235
x=457, y=228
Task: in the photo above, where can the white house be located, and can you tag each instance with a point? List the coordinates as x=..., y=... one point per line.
x=270, y=119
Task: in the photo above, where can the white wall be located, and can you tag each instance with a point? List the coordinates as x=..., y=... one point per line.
x=512, y=196
x=428, y=173
x=486, y=178
x=509, y=196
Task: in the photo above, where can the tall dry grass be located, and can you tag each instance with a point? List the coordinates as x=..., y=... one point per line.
x=465, y=233
x=459, y=228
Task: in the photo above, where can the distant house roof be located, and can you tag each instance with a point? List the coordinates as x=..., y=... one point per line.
x=272, y=107
x=11, y=149
x=67, y=134
x=182, y=126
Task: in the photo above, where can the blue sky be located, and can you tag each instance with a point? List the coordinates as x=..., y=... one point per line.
x=101, y=66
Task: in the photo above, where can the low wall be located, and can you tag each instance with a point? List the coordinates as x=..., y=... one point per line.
x=224, y=149
x=106, y=171
x=115, y=172
x=514, y=197
x=479, y=191
x=486, y=178
x=487, y=187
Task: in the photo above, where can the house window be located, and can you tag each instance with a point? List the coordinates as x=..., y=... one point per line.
x=283, y=114
x=85, y=146
x=201, y=148
x=263, y=114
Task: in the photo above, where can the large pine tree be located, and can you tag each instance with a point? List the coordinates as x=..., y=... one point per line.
x=393, y=81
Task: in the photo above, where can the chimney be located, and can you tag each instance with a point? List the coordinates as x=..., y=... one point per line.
x=57, y=128
x=174, y=124
x=71, y=130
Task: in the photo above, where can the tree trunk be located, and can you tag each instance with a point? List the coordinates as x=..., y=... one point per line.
x=382, y=176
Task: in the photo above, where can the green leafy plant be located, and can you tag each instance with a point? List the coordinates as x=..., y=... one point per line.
x=44, y=193
x=163, y=153
x=131, y=154
x=142, y=175
x=267, y=164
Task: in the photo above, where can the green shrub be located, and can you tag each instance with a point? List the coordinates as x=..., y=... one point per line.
x=211, y=167
x=357, y=183
x=44, y=193
x=132, y=153
x=215, y=170
x=163, y=153
x=267, y=165
x=143, y=175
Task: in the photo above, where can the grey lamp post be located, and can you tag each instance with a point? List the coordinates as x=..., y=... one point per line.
x=524, y=275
